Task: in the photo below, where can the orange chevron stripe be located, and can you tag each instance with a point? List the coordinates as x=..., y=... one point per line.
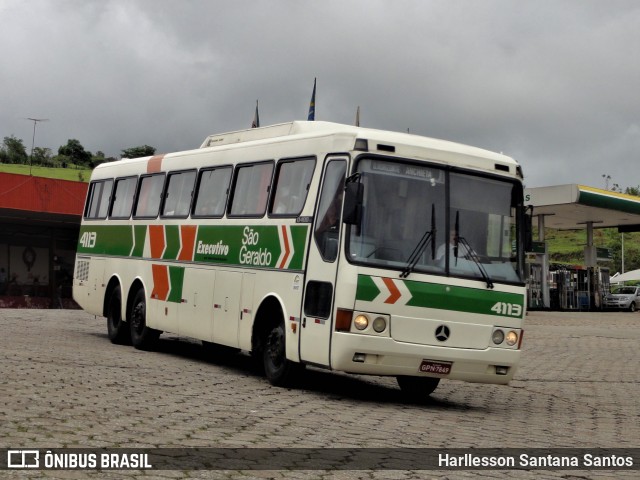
x=160, y=282
x=287, y=250
x=156, y=239
x=188, y=235
x=393, y=290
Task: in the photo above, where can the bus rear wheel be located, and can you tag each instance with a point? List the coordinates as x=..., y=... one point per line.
x=279, y=371
x=142, y=336
x=117, y=329
x=417, y=388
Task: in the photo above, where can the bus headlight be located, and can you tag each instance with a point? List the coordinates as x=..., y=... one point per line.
x=498, y=337
x=379, y=324
x=361, y=322
x=512, y=338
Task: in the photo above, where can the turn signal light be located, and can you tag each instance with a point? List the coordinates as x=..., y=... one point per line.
x=343, y=320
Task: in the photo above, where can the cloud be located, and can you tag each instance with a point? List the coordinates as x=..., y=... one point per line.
x=552, y=83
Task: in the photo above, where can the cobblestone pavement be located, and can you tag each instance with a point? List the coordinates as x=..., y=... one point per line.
x=63, y=384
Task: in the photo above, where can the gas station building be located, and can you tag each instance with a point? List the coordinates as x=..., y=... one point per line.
x=575, y=207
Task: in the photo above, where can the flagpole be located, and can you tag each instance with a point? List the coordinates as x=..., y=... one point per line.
x=256, y=118
x=358, y=116
x=312, y=105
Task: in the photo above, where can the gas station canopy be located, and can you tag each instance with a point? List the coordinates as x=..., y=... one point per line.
x=576, y=207
x=572, y=207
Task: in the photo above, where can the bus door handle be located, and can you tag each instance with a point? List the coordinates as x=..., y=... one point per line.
x=304, y=322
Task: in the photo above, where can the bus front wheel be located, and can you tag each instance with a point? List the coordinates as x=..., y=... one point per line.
x=417, y=388
x=142, y=336
x=117, y=329
x=279, y=371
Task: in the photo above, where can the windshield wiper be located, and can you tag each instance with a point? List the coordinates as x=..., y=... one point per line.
x=427, y=238
x=470, y=253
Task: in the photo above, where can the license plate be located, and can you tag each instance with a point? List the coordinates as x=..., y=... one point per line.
x=431, y=366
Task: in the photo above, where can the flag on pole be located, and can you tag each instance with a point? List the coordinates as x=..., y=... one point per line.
x=358, y=116
x=312, y=105
x=256, y=118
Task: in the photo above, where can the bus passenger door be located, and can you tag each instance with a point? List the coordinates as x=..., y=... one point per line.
x=322, y=266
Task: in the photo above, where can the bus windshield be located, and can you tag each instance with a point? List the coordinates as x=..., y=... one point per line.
x=426, y=219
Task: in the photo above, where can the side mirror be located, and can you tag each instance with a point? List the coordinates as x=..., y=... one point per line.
x=528, y=232
x=352, y=209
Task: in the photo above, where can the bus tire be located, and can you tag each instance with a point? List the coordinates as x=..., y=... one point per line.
x=417, y=388
x=117, y=329
x=279, y=371
x=142, y=336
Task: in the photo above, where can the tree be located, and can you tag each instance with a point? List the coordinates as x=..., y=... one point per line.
x=137, y=152
x=41, y=156
x=633, y=191
x=75, y=152
x=13, y=151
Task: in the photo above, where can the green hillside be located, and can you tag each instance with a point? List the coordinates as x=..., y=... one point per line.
x=567, y=247
x=72, y=173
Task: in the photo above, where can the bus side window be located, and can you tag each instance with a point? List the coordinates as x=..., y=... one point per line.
x=211, y=193
x=327, y=232
x=292, y=181
x=251, y=189
x=149, y=196
x=123, y=195
x=179, y=192
x=98, y=199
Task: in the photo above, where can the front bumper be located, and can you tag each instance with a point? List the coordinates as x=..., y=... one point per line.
x=385, y=356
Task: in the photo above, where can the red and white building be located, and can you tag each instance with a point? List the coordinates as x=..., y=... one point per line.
x=39, y=225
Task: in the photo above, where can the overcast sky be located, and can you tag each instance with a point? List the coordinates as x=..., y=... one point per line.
x=554, y=84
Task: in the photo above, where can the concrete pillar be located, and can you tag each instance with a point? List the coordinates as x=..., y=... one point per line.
x=590, y=257
x=544, y=257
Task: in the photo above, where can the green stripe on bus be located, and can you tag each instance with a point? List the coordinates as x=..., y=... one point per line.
x=139, y=235
x=172, y=238
x=254, y=246
x=367, y=290
x=106, y=239
x=461, y=299
x=258, y=246
x=445, y=297
x=176, y=280
x=298, y=238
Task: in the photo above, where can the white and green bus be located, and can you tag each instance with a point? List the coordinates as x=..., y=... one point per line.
x=314, y=243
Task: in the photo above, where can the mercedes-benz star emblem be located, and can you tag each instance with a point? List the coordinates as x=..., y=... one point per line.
x=443, y=333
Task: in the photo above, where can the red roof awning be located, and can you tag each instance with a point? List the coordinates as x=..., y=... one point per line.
x=43, y=195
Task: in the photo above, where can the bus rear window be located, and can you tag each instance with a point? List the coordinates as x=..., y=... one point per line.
x=98, y=199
